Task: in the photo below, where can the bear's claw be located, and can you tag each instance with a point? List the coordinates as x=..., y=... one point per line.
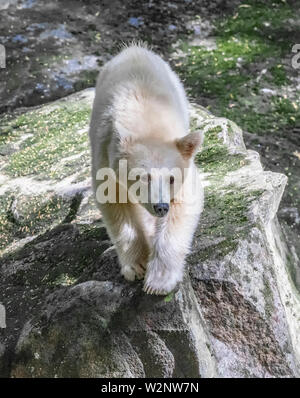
x=150, y=290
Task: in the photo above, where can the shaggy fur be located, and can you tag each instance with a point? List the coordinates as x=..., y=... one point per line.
x=140, y=114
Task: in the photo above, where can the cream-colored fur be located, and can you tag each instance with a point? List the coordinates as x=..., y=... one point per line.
x=140, y=114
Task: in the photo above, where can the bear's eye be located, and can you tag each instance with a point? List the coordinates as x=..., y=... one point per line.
x=172, y=180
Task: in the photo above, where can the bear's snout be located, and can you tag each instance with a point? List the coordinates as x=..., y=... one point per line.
x=161, y=209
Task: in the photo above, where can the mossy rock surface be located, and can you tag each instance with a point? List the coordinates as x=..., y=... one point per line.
x=60, y=280
x=69, y=313
x=242, y=69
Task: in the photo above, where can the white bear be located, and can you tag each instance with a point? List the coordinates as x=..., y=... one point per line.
x=140, y=119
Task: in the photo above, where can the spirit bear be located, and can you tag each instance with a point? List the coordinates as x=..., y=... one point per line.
x=140, y=119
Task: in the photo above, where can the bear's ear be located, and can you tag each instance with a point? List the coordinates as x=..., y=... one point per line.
x=189, y=144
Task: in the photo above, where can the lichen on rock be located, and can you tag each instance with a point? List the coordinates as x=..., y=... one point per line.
x=69, y=311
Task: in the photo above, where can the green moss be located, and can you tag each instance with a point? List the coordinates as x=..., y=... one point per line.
x=279, y=115
x=252, y=54
x=213, y=137
x=226, y=210
x=230, y=77
x=51, y=136
x=169, y=297
x=8, y=129
x=225, y=219
x=286, y=111
x=279, y=76
x=75, y=164
x=258, y=19
x=216, y=73
x=34, y=215
x=216, y=159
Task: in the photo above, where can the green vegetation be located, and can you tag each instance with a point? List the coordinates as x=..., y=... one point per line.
x=248, y=78
x=215, y=158
x=227, y=211
x=250, y=45
x=169, y=297
x=225, y=219
x=51, y=136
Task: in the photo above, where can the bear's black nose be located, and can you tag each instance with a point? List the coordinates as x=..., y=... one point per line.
x=161, y=209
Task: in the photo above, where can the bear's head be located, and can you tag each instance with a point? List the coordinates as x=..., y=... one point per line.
x=156, y=170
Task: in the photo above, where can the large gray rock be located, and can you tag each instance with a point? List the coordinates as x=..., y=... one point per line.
x=71, y=314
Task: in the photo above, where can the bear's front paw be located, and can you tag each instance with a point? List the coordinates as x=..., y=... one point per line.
x=161, y=281
x=137, y=270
